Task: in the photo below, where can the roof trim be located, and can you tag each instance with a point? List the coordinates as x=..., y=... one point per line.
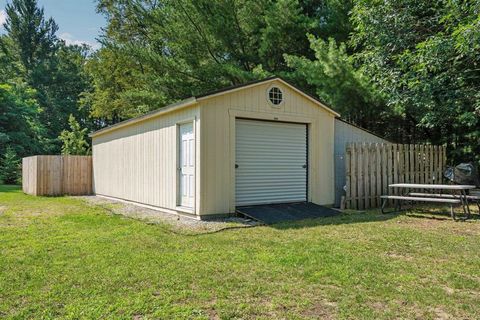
x=234, y=88
x=266, y=80
x=309, y=97
x=155, y=113
x=192, y=100
x=361, y=128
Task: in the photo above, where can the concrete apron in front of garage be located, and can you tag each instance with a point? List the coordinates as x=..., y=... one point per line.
x=275, y=213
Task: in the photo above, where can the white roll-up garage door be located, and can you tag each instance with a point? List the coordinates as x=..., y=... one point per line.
x=271, y=162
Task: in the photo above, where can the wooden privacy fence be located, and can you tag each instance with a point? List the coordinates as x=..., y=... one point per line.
x=371, y=167
x=57, y=175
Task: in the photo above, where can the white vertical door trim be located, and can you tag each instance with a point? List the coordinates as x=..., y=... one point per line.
x=186, y=169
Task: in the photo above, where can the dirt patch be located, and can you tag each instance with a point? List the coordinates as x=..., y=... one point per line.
x=398, y=256
x=185, y=224
x=2, y=209
x=321, y=310
x=440, y=314
x=432, y=221
x=448, y=290
x=212, y=314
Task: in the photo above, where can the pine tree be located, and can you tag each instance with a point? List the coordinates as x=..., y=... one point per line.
x=10, y=167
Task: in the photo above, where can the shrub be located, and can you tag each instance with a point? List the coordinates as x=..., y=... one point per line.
x=10, y=167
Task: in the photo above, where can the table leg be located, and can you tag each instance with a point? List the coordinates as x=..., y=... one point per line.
x=466, y=207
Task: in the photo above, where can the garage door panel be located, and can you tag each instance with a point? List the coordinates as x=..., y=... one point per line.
x=270, y=158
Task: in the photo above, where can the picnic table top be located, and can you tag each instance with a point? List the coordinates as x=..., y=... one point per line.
x=433, y=186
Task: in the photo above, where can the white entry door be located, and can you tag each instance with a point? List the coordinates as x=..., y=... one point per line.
x=187, y=165
x=271, y=162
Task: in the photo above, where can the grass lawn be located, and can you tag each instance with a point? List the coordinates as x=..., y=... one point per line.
x=64, y=258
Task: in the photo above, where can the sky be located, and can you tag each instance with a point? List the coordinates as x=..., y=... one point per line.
x=77, y=20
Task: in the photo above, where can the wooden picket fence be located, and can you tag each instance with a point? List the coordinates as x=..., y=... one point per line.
x=57, y=175
x=371, y=167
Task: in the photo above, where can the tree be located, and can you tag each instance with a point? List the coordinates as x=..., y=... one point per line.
x=33, y=36
x=20, y=127
x=32, y=54
x=75, y=140
x=337, y=82
x=155, y=53
x=10, y=167
x=424, y=56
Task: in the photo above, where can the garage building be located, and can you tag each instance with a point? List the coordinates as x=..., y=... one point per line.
x=259, y=143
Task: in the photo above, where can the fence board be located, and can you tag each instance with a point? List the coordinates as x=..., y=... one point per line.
x=378, y=172
x=354, y=177
x=57, y=175
x=371, y=167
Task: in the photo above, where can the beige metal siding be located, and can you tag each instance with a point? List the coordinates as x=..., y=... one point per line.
x=139, y=162
x=218, y=142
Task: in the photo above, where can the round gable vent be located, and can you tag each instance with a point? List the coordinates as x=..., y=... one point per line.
x=275, y=96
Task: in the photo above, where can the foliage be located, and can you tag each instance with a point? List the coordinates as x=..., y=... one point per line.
x=33, y=36
x=75, y=140
x=10, y=167
x=425, y=56
x=339, y=84
x=54, y=72
x=407, y=69
x=177, y=49
x=20, y=127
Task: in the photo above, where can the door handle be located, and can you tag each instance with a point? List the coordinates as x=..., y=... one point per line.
x=304, y=166
x=236, y=166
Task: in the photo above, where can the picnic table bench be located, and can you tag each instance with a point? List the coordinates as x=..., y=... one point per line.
x=449, y=194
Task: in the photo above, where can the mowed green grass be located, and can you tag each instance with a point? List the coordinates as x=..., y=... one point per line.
x=63, y=258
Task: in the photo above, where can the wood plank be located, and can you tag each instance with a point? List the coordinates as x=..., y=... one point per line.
x=401, y=164
x=439, y=200
x=384, y=169
x=354, y=175
x=423, y=164
x=57, y=175
x=373, y=169
x=444, y=157
x=430, y=164
x=395, y=158
x=366, y=175
x=406, y=154
x=378, y=172
x=360, y=191
x=348, y=172
x=412, y=163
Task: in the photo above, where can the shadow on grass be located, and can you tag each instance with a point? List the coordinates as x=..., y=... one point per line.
x=10, y=188
x=342, y=218
x=353, y=217
x=439, y=214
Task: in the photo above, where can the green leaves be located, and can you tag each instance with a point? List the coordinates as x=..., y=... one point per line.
x=10, y=167
x=74, y=140
x=183, y=48
x=338, y=83
x=44, y=79
x=425, y=56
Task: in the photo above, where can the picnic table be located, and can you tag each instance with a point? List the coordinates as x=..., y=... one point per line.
x=433, y=193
